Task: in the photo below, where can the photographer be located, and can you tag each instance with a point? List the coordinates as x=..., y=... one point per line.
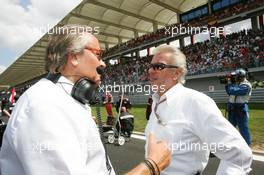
x=239, y=93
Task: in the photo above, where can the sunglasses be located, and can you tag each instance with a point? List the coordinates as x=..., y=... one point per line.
x=97, y=52
x=161, y=66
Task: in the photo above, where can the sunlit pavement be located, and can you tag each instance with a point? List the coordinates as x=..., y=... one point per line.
x=131, y=153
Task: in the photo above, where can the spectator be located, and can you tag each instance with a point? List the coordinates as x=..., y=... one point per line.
x=107, y=101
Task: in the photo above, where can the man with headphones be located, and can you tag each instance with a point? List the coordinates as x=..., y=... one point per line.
x=239, y=95
x=51, y=130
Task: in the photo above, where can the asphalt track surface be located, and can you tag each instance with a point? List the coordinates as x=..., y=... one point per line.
x=124, y=158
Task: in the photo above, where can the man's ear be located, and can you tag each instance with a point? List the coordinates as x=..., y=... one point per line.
x=72, y=59
x=177, y=73
x=175, y=77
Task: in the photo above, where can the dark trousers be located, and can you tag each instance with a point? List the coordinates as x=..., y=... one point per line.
x=239, y=117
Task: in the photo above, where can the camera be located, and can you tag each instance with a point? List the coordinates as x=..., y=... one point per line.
x=224, y=78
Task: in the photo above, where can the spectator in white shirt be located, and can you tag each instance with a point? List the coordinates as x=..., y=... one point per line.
x=191, y=122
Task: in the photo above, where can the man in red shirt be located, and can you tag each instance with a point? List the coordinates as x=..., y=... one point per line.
x=107, y=101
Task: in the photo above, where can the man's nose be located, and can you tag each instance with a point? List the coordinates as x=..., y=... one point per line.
x=150, y=70
x=102, y=63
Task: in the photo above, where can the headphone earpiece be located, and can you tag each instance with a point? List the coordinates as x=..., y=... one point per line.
x=83, y=90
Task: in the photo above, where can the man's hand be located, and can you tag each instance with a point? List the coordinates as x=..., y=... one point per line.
x=159, y=152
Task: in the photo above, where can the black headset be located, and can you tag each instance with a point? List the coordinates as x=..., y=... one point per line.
x=83, y=90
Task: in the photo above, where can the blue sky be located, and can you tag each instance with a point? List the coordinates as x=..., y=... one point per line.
x=8, y=56
x=25, y=3
x=21, y=30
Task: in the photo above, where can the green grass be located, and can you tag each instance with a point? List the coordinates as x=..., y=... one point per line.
x=256, y=125
x=256, y=122
x=138, y=112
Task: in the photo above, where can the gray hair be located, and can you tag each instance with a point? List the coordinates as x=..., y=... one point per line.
x=178, y=59
x=64, y=40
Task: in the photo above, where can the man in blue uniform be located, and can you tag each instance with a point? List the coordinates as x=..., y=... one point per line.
x=239, y=94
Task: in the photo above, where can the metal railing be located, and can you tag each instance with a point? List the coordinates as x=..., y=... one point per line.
x=219, y=96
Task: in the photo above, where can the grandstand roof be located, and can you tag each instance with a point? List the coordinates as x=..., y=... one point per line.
x=118, y=21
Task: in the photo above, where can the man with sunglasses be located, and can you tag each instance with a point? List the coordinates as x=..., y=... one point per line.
x=190, y=121
x=51, y=131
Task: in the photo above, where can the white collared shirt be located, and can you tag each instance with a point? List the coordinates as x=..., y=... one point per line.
x=50, y=133
x=192, y=124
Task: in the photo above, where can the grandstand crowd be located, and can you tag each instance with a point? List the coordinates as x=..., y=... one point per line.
x=223, y=53
x=242, y=49
x=209, y=21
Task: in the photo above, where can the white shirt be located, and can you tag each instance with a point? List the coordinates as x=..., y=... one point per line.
x=191, y=123
x=50, y=133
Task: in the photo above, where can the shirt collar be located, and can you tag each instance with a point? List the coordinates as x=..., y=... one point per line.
x=171, y=94
x=66, y=84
